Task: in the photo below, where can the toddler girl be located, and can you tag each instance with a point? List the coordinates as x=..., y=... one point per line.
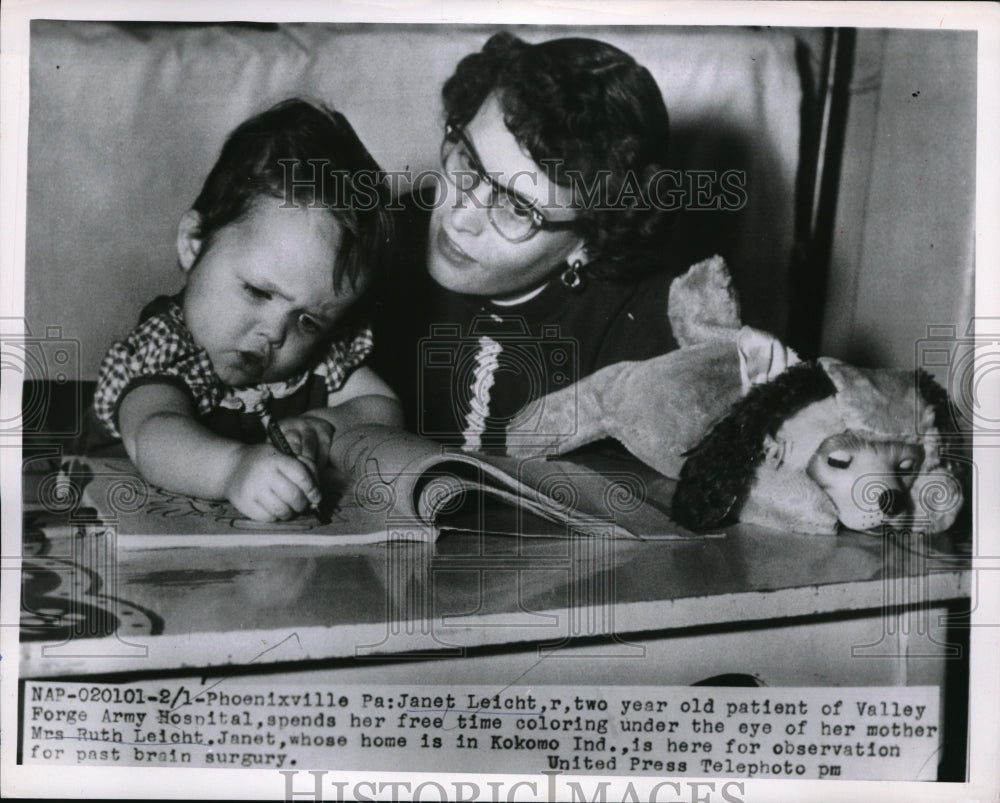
x=277, y=250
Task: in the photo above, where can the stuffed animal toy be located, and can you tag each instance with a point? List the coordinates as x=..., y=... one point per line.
x=662, y=407
x=806, y=447
x=822, y=445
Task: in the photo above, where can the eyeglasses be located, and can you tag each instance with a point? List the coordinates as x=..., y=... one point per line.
x=515, y=217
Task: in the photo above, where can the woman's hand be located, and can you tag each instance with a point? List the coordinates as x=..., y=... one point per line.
x=268, y=486
x=364, y=399
x=310, y=438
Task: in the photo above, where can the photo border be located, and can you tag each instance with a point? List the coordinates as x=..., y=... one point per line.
x=984, y=744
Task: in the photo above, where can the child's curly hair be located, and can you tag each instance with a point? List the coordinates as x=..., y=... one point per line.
x=593, y=118
x=306, y=155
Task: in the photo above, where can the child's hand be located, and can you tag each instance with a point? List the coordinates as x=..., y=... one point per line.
x=268, y=486
x=310, y=438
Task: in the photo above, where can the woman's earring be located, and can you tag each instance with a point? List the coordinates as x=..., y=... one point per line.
x=572, y=277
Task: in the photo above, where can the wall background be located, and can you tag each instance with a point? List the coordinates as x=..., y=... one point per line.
x=126, y=120
x=903, y=255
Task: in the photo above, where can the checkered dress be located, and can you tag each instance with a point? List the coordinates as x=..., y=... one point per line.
x=161, y=349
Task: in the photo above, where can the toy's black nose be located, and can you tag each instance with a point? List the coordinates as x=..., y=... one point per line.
x=891, y=502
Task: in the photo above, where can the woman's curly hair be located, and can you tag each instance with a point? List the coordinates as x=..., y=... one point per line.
x=593, y=118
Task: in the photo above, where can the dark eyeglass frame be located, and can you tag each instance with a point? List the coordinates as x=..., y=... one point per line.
x=454, y=136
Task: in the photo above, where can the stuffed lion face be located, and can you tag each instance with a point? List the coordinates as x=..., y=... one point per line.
x=825, y=445
x=868, y=481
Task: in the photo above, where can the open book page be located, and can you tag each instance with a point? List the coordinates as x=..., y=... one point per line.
x=148, y=517
x=455, y=490
x=386, y=485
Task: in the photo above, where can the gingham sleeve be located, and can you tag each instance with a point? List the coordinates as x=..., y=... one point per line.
x=343, y=357
x=160, y=348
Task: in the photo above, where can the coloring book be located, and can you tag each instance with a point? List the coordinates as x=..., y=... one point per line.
x=387, y=485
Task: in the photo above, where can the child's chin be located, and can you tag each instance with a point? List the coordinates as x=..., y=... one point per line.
x=240, y=378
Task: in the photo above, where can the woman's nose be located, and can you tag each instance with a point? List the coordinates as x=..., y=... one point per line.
x=469, y=208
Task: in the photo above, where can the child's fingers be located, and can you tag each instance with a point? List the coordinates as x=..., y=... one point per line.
x=324, y=440
x=316, y=440
x=284, y=500
x=282, y=504
x=294, y=438
x=310, y=464
x=308, y=442
x=300, y=484
x=324, y=431
x=309, y=436
x=279, y=499
x=263, y=508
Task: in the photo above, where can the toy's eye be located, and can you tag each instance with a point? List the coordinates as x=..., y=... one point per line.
x=838, y=459
x=906, y=464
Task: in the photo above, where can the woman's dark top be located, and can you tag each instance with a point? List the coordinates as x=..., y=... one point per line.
x=462, y=365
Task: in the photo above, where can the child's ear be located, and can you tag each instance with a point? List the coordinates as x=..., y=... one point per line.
x=188, y=239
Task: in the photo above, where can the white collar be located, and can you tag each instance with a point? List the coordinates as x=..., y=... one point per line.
x=510, y=302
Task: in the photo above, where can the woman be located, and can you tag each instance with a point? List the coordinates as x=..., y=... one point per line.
x=538, y=257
